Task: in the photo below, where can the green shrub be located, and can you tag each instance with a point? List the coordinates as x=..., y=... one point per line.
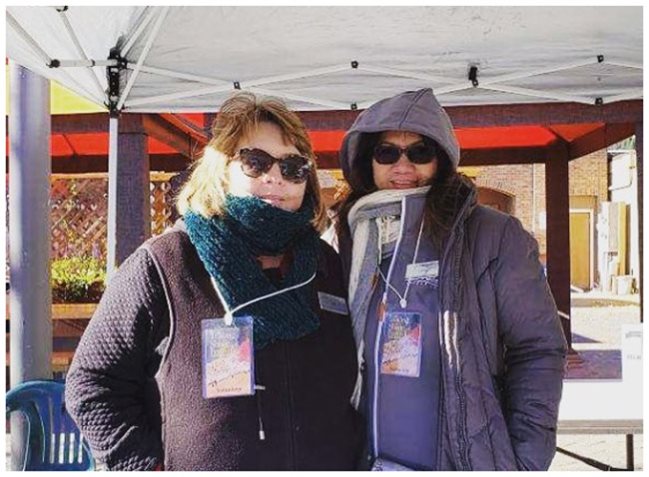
x=77, y=280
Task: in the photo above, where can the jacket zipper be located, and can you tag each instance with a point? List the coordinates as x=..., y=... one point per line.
x=262, y=433
x=377, y=339
x=463, y=441
x=290, y=408
x=377, y=342
x=440, y=435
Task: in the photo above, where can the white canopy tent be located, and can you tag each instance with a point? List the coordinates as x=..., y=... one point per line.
x=182, y=59
x=323, y=58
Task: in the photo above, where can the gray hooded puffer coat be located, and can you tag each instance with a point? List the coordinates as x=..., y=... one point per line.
x=503, y=349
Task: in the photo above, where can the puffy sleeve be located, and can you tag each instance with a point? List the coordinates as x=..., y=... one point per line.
x=535, y=348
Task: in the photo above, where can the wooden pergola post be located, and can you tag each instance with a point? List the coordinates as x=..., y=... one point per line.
x=129, y=202
x=558, y=231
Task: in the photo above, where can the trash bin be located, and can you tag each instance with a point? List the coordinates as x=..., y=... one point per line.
x=624, y=284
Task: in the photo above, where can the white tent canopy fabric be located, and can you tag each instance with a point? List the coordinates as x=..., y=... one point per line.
x=182, y=59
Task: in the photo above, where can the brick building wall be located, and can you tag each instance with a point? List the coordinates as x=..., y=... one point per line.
x=524, y=183
x=588, y=176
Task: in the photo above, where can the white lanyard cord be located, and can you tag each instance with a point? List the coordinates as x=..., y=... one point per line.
x=230, y=312
x=403, y=300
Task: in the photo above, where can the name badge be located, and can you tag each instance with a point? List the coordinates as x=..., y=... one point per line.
x=227, y=357
x=401, y=348
x=424, y=270
x=333, y=303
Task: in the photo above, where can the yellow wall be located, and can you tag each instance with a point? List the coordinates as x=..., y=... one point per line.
x=62, y=100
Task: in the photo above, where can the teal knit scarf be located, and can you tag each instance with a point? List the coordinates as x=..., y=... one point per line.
x=228, y=247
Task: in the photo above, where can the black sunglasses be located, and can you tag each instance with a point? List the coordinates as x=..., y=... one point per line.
x=419, y=153
x=255, y=162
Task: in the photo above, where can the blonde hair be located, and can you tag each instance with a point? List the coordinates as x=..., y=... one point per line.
x=240, y=115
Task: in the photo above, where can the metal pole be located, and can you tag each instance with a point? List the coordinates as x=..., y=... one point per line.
x=30, y=296
x=630, y=465
x=639, y=139
x=111, y=259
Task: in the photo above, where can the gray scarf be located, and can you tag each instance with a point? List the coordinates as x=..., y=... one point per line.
x=365, y=259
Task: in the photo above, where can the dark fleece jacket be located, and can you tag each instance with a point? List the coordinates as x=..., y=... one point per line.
x=134, y=386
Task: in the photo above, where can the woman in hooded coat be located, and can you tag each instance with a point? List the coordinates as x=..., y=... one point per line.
x=461, y=351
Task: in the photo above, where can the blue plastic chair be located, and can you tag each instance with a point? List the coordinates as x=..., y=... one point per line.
x=53, y=439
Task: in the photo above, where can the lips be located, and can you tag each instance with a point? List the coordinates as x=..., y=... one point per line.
x=403, y=184
x=272, y=199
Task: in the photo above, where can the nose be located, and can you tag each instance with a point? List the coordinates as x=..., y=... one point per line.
x=274, y=174
x=403, y=162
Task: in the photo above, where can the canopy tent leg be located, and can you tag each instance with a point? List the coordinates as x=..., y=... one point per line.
x=30, y=296
x=639, y=168
x=558, y=231
x=129, y=203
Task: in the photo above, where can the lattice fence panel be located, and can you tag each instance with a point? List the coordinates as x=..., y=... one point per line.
x=161, y=206
x=80, y=213
x=78, y=216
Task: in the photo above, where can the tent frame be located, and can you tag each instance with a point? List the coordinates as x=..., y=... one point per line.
x=493, y=84
x=218, y=85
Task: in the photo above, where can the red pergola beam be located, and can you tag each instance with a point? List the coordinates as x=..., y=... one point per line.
x=89, y=164
x=502, y=115
x=602, y=137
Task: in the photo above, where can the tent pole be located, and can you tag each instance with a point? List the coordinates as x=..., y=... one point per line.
x=79, y=48
x=569, y=98
x=228, y=87
x=178, y=75
x=27, y=38
x=244, y=84
x=639, y=171
x=148, y=16
x=142, y=57
x=111, y=256
x=36, y=48
x=30, y=297
x=181, y=95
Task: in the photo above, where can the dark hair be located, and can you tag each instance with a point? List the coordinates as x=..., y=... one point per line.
x=442, y=201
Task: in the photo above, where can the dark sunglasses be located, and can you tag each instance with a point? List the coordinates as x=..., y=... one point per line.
x=419, y=153
x=255, y=162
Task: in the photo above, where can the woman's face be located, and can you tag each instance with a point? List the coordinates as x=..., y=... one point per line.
x=403, y=174
x=271, y=187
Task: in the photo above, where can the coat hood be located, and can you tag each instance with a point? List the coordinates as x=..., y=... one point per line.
x=414, y=111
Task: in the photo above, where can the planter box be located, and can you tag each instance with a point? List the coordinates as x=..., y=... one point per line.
x=68, y=311
x=73, y=311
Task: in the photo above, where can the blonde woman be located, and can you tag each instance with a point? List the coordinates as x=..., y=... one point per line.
x=225, y=343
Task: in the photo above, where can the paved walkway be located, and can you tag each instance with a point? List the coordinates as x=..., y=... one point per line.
x=596, y=329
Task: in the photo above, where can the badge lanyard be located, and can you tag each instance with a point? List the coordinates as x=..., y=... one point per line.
x=403, y=299
x=384, y=366
x=230, y=312
x=227, y=351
